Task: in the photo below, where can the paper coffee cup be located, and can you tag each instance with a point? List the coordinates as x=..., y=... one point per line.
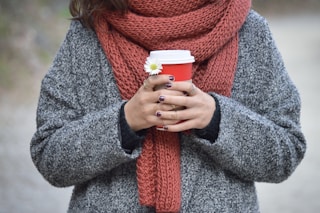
x=177, y=63
x=174, y=62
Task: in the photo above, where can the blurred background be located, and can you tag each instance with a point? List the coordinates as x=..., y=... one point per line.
x=31, y=32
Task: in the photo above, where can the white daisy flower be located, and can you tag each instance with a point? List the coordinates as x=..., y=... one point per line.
x=152, y=66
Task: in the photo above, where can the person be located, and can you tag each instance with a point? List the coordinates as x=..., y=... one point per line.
x=98, y=109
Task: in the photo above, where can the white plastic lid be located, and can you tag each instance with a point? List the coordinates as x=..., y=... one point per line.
x=172, y=56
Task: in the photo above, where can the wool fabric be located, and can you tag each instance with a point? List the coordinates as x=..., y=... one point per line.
x=209, y=29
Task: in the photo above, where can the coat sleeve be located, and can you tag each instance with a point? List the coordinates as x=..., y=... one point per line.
x=260, y=137
x=78, y=136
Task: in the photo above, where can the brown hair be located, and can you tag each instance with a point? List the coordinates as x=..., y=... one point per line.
x=83, y=10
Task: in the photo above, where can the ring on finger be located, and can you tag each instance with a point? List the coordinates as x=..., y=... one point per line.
x=192, y=90
x=145, y=84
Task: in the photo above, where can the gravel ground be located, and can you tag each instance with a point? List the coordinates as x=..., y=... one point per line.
x=298, y=37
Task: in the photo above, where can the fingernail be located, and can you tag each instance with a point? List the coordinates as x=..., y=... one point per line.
x=158, y=114
x=168, y=85
x=171, y=78
x=161, y=98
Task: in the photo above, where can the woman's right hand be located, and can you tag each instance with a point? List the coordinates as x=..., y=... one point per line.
x=140, y=110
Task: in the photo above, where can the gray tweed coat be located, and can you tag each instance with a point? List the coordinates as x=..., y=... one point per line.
x=78, y=142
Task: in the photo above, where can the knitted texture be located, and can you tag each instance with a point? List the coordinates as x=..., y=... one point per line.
x=209, y=29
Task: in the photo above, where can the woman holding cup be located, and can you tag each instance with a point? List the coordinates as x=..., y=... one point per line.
x=234, y=122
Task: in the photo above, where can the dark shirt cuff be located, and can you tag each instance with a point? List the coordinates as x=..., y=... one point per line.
x=211, y=131
x=130, y=139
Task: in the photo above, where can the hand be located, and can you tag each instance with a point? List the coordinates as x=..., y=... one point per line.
x=149, y=108
x=141, y=110
x=198, y=109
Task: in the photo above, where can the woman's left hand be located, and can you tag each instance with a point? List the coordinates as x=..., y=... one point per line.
x=195, y=109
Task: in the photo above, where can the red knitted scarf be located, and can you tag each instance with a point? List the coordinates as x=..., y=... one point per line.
x=209, y=29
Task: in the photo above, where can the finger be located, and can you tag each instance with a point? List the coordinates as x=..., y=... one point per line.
x=155, y=80
x=184, y=101
x=150, y=116
x=166, y=122
x=179, y=127
x=177, y=115
x=168, y=107
x=187, y=87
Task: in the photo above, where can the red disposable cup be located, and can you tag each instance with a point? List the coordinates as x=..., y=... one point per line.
x=174, y=62
x=177, y=63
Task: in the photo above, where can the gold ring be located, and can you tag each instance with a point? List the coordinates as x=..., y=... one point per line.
x=173, y=106
x=193, y=89
x=145, y=86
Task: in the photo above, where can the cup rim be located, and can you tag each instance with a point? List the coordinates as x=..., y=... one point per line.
x=172, y=56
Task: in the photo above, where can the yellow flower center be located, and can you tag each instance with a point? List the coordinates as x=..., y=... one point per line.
x=153, y=66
